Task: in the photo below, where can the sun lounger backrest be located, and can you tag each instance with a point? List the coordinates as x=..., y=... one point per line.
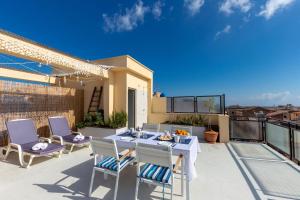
x=21, y=131
x=159, y=155
x=59, y=126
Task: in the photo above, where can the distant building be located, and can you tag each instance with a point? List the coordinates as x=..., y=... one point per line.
x=285, y=115
x=239, y=112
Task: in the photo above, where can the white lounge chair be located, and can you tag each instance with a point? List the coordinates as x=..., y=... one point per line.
x=22, y=139
x=108, y=161
x=62, y=133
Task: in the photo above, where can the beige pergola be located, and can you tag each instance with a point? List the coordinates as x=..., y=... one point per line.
x=17, y=46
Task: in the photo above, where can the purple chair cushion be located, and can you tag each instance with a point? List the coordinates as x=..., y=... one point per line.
x=59, y=126
x=50, y=149
x=21, y=131
x=69, y=138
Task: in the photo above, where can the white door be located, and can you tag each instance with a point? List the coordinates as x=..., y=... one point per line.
x=141, y=106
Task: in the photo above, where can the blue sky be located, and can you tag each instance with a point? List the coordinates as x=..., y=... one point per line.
x=247, y=49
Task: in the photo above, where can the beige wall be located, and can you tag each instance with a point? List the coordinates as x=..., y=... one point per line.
x=127, y=73
x=120, y=91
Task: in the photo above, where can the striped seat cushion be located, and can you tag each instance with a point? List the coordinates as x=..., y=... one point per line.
x=156, y=173
x=112, y=164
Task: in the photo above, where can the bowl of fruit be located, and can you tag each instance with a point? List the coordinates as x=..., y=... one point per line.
x=182, y=133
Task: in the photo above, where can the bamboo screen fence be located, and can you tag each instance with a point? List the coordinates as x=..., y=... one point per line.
x=38, y=102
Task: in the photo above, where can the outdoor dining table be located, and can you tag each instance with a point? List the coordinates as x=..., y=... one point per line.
x=188, y=150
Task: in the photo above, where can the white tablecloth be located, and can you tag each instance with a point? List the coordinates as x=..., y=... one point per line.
x=189, y=151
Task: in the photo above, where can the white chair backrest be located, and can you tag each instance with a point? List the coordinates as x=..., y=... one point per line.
x=186, y=128
x=104, y=147
x=158, y=155
x=150, y=127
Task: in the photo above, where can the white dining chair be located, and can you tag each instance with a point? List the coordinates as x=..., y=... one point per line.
x=151, y=127
x=186, y=128
x=157, y=169
x=108, y=161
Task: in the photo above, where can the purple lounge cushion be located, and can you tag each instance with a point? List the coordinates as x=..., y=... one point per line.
x=51, y=148
x=69, y=138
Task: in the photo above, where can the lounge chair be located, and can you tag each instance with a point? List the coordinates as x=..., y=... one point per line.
x=23, y=137
x=108, y=161
x=151, y=127
x=62, y=133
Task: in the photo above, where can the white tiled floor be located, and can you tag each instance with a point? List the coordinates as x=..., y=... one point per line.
x=68, y=178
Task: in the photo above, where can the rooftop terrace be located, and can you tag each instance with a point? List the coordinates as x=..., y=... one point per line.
x=232, y=171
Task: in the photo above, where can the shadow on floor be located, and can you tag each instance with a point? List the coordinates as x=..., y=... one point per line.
x=103, y=189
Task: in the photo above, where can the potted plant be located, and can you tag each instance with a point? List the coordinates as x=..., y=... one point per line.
x=210, y=135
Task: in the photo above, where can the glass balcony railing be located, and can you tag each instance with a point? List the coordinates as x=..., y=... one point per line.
x=278, y=136
x=196, y=104
x=297, y=144
x=282, y=136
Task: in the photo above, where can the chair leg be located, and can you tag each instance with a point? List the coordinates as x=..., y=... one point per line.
x=172, y=192
x=116, y=187
x=21, y=158
x=60, y=153
x=7, y=152
x=71, y=148
x=30, y=161
x=91, y=183
x=137, y=188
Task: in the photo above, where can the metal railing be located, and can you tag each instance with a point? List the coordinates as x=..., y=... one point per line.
x=196, y=104
x=282, y=136
x=245, y=129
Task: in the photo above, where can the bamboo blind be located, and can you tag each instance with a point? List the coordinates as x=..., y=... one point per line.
x=38, y=102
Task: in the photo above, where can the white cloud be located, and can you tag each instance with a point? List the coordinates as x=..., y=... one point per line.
x=228, y=6
x=281, y=96
x=157, y=9
x=128, y=20
x=272, y=6
x=226, y=30
x=193, y=6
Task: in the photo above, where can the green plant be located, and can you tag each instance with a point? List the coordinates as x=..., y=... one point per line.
x=191, y=120
x=80, y=125
x=117, y=120
x=98, y=119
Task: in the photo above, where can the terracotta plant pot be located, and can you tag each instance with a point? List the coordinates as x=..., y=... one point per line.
x=211, y=136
